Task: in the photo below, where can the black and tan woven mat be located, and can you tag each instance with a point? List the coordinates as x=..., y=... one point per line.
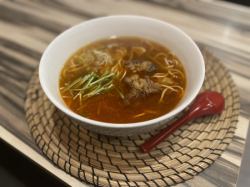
x=110, y=161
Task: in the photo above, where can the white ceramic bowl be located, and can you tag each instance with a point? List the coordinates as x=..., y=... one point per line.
x=63, y=46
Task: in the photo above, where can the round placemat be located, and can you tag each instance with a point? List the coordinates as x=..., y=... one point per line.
x=117, y=161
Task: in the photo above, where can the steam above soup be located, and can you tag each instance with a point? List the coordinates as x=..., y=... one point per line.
x=122, y=80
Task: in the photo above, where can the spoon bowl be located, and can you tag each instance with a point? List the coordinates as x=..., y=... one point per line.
x=206, y=103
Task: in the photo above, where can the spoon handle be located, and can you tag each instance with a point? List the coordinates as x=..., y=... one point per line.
x=164, y=133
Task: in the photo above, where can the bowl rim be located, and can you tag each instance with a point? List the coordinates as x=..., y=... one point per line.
x=156, y=120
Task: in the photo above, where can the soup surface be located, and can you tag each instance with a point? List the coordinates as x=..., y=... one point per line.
x=122, y=80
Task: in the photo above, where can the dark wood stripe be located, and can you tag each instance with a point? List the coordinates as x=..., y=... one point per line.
x=194, y=10
x=14, y=61
x=17, y=88
x=25, y=20
x=20, y=73
x=20, y=48
x=59, y=5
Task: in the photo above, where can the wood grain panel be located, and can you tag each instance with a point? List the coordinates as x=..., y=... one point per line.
x=27, y=27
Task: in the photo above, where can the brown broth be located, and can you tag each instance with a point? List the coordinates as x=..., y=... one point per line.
x=109, y=106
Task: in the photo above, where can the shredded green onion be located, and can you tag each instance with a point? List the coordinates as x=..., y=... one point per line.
x=90, y=85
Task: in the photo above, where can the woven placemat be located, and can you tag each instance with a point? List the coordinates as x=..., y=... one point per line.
x=112, y=161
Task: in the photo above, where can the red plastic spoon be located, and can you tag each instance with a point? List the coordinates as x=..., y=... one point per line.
x=206, y=103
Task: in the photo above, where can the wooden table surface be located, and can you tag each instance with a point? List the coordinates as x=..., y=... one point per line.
x=27, y=27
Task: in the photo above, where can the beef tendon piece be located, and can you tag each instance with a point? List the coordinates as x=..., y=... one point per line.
x=141, y=86
x=139, y=66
